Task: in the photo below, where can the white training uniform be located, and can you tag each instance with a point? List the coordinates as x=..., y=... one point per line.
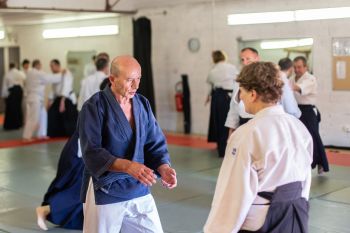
x=236, y=110
x=89, y=69
x=222, y=75
x=89, y=86
x=137, y=215
x=272, y=149
x=12, y=78
x=64, y=87
x=288, y=101
x=36, y=115
x=308, y=85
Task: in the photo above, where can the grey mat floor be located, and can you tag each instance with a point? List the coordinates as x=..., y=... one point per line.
x=25, y=173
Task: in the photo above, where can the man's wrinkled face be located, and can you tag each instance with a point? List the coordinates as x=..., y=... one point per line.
x=127, y=82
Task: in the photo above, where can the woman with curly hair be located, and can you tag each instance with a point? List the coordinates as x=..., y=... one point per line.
x=265, y=178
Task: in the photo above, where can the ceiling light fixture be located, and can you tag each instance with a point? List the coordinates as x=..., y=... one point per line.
x=79, y=17
x=323, y=13
x=280, y=44
x=259, y=18
x=81, y=31
x=288, y=16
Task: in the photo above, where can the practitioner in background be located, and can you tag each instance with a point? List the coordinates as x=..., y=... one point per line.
x=305, y=92
x=221, y=79
x=12, y=91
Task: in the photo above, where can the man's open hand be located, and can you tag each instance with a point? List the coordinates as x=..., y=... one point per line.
x=168, y=175
x=142, y=173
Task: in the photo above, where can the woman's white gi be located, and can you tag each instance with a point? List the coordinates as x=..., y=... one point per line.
x=272, y=149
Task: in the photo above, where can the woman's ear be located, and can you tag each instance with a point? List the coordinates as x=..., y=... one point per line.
x=254, y=95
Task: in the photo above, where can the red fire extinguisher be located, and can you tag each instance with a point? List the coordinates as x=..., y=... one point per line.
x=179, y=97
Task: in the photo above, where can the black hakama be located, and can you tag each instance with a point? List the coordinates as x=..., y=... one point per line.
x=242, y=120
x=219, y=107
x=311, y=117
x=62, y=124
x=63, y=195
x=288, y=211
x=13, y=109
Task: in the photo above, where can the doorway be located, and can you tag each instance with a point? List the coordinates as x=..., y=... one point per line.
x=274, y=49
x=76, y=61
x=7, y=55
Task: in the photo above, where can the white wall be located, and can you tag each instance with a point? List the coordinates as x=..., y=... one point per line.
x=33, y=46
x=171, y=57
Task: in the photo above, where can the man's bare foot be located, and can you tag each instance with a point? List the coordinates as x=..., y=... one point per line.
x=41, y=214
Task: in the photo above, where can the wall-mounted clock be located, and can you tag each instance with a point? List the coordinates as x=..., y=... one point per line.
x=194, y=45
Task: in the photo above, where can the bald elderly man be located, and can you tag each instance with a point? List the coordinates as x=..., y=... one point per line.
x=124, y=151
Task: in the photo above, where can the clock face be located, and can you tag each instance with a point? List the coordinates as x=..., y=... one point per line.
x=193, y=44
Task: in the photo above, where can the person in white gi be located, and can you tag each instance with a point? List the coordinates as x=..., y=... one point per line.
x=12, y=91
x=221, y=79
x=65, y=87
x=24, y=70
x=90, y=68
x=91, y=84
x=271, y=154
x=288, y=101
x=25, y=66
x=237, y=115
x=12, y=78
x=36, y=115
x=305, y=92
x=62, y=112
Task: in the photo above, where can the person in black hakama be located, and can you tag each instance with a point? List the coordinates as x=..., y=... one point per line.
x=221, y=80
x=13, y=93
x=305, y=92
x=63, y=113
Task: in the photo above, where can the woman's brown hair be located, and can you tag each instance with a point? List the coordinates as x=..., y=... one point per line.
x=264, y=78
x=218, y=56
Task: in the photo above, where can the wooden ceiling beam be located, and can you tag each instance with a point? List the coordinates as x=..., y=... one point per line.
x=108, y=9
